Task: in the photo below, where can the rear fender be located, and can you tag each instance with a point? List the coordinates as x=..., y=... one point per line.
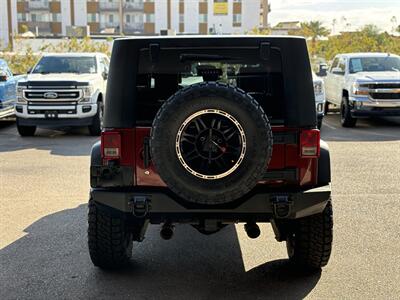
x=95, y=155
x=324, y=165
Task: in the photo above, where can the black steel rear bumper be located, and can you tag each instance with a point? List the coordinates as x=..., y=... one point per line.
x=159, y=205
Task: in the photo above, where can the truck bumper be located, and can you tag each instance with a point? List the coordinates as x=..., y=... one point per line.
x=364, y=107
x=68, y=115
x=160, y=205
x=60, y=122
x=375, y=112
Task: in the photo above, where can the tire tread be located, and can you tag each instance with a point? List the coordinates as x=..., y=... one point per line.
x=110, y=244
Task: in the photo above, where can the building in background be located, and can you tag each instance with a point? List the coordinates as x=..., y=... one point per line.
x=128, y=17
x=265, y=9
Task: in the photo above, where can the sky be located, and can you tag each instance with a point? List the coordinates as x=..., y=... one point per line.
x=349, y=14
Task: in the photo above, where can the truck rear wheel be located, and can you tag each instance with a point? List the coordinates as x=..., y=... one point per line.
x=319, y=122
x=96, y=126
x=309, y=245
x=25, y=130
x=326, y=108
x=110, y=241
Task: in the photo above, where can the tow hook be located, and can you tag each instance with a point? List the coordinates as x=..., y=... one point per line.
x=140, y=206
x=282, y=206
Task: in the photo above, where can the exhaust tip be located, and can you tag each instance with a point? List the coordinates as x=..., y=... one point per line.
x=167, y=232
x=252, y=230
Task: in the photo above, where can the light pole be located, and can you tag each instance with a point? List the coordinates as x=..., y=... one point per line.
x=121, y=18
x=10, y=30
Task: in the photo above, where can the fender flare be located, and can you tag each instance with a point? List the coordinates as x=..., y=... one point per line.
x=95, y=155
x=324, y=165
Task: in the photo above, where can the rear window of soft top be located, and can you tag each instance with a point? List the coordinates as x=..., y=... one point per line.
x=174, y=68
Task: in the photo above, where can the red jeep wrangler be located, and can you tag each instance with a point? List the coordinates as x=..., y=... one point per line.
x=210, y=131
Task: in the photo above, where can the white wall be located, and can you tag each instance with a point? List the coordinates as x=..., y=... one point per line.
x=250, y=15
x=14, y=17
x=3, y=24
x=175, y=15
x=191, y=16
x=160, y=15
x=222, y=23
x=80, y=13
x=65, y=15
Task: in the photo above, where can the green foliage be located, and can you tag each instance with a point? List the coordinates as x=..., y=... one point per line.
x=259, y=31
x=75, y=45
x=24, y=28
x=20, y=63
x=313, y=30
x=368, y=39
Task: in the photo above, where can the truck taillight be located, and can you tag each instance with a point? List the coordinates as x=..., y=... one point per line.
x=111, y=145
x=309, y=143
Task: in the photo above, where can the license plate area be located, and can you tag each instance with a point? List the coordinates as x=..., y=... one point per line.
x=51, y=114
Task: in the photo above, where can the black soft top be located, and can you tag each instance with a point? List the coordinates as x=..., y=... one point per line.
x=296, y=71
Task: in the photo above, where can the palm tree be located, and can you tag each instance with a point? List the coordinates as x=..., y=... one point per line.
x=334, y=22
x=314, y=30
x=393, y=20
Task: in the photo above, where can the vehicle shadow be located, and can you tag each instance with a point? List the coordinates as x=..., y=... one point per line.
x=65, y=141
x=52, y=261
x=366, y=130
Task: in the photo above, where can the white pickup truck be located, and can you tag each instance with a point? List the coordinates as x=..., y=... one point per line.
x=364, y=85
x=319, y=91
x=67, y=89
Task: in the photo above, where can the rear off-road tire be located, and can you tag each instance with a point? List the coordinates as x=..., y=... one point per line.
x=110, y=241
x=309, y=245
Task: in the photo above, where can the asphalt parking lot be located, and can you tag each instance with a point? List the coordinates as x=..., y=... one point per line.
x=44, y=182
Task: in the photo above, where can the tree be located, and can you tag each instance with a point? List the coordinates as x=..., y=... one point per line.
x=370, y=30
x=393, y=20
x=23, y=60
x=259, y=31
x=368, y=39
x=24, y=28
x=313, y=30
x=334, y=22
x=398, y=29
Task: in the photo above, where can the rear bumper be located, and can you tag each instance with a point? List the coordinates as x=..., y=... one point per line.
x=260, y=205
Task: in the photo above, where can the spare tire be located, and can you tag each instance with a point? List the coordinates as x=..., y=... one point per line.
x=211, y=143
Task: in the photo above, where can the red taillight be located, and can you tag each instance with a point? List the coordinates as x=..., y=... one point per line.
x=111, y=145
x=309, y=143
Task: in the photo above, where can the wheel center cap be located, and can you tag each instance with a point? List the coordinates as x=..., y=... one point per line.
x=210, y=144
